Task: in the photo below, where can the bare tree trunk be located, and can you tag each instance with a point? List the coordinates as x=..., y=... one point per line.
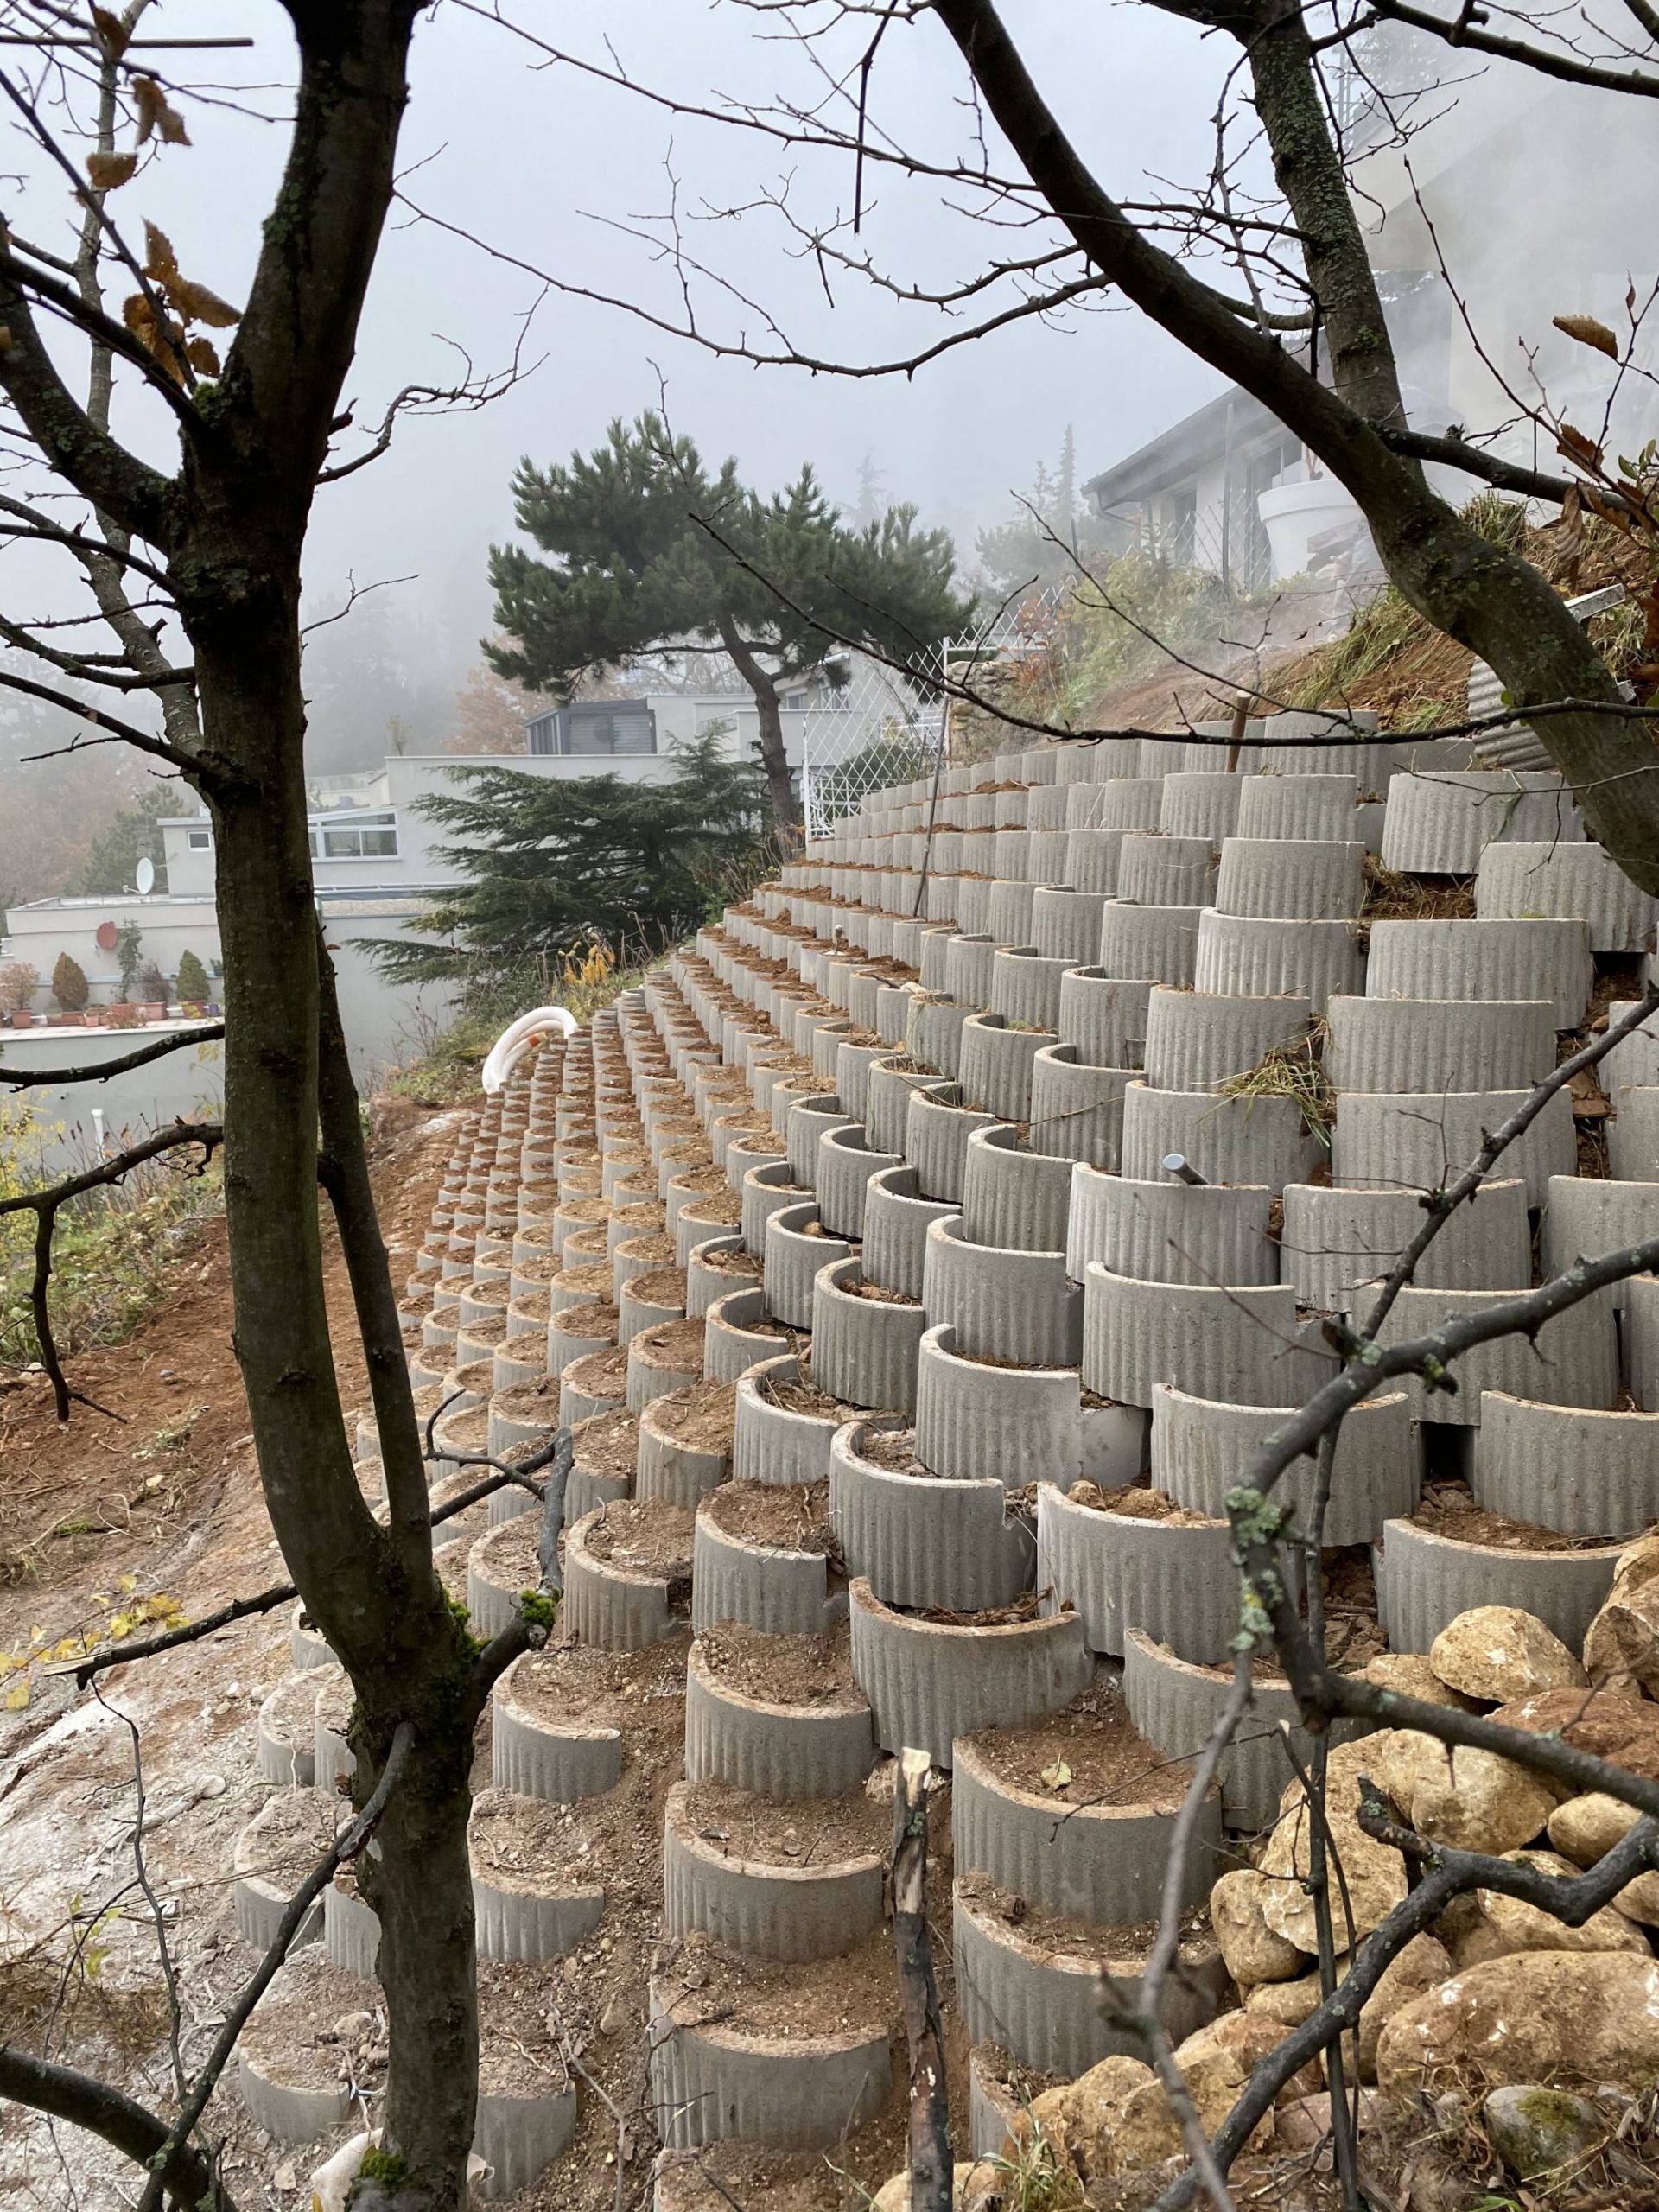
x=775, y=760
x=931, y=2166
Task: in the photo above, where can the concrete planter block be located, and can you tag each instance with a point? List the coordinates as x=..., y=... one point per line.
x=1238, y=1140
x=1125, y=803
x=1587, y=1473
x=594, y=1385
x=1013, y=1196
x=1015, y=1424
x=926, y=1539
x=937, y=1128
x=1196, y=1041
x=928, y=1684
x=1298, y=806
x=864, y=1349
x=1176, y=1706
x=1575, y=1362
x=1241, y=955
x=351, y=1930
x=933, y=1035
x=809, y=1118
x=1104, y=1016
x=483, y=1301
x=703, y=1218
x=705, y=1283
x=1045, y=807
x=664, y=1360
x=820, y=1749
x=968, y=966
x=1009, y=921
x=1418, y=1141
x=576, y=1332
x=523, y=1924
x=617, y=1608
x=1485, y=960
x=1042, y=2003
x=1633, y=1136
x=773, y=1444
x=1518, y=880
x=796, y=1249
x=1102, y=1863
x=1434, y=1044
x=1092, y=862
x=765, y=1189
x=737, y=1331
x=1424, y=1581
x=1336, y=1242
x=1200, y=803
x=1161, y=871
x=852, y=1073
x=767, y=1911
x=710, y=2082
x=1025, y=988
x=892, y=1004
x=995, y=1071
x=933, y=967
x=519, y=2137
x=862, y=989
x=973, y=902
x=941, y=896
x=1583, y=1219
x=1635, y=1060
x=1151, y=944
x=538, y=1758
x=1440, y=825
x=896, y=1222
x=1077, y=1111
x=749, y=1152
x=664, y=1467
x=1046, y=852
x=1012, y=1305
x=262, y=1889
x=1301, y=879
x=1170, y=1232
x=1202, y=1448
x=1178, y=1582
x=286, y=1750
x=285, y=2109
x=845, y=1165
x=891, y=1082
x=1241, y=1344
x=761, y=1586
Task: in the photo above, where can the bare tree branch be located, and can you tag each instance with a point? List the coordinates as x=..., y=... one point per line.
x=202, y=1033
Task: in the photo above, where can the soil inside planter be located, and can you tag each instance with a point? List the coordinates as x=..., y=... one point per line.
x=646, y=1536
x=659, y=1249
x=742, y=1267
x=1448, y=1510
x=1117, y=1948
x=598, y=1319
x=788, y=1670
x=803, y=1395
x=607, y=1444
x=600, y=1374
x=517, y=2044
x=535, y=1401
x=700, y=1178
x=538, y=1268
x=521, y=1843
x=1029, y=1606
x=318, y=2026
x=715, y=1213
x=289, y=1832
x=894, y=1450
x=878, y=1293
x=491, y=1330
x=699, y=1417
x=1089, y=1753
x=468, y=1432
x=506, y=1557
x=591, y=1283
x=659, y=1286
x=569, y=1685
x=675, y=1345
x=1135, y=1501
x=784, y=1516
x=492, y=1294
x=586, y=1210
x=533, y=1304
x=854, y=1993
x=811, y=1831
x=476, y=1377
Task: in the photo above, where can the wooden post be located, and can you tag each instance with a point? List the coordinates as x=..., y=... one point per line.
x=930, y=2167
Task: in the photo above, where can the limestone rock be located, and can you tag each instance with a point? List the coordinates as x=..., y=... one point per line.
x=1609, y=1724
x=1473, y=1801
x=1410, y=1674
x=1570, y=2018
x=1216, y=2062
x=1251, y=1949
x=1119, y=2122
x=972, y=2188
x=1423, y=1964
x=1535, y=2131
x=1497, y=1653
x=1287, y=2003
x=1523, y=1927
x=1374, y=1874
x=1306, y=2122
x=1585, y=1828
x=1621, y=1646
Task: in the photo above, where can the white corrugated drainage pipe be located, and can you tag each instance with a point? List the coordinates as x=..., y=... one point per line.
x=525, y=1035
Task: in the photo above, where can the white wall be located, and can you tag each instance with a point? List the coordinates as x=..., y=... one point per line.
x=170, y=926
x=189, y=1082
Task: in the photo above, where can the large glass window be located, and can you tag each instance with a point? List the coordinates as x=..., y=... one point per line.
x=353, y=836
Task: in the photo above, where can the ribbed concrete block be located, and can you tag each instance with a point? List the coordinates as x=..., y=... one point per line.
x=796, y=1249
x=1170, y=1232
x=973, y=899
x=286, y=2110
x=763, y=1910
x=1013, y=1196
x=1424, y=1581
x=853, y=1063
x=662, y=1361
x=1575, y=1362
x=1176, y=1706
x=1162, y=871
x=1077, y=1111
x=933, y=1035
x=926, y=1539
x=941, y=896
x=710, y=2082
x=1238, y=1140
x=891, y=1082
x=616, y=1608
x=1441, y=824
x=1155, y=944
x=1583, y=1219
x=1335, y=1242
x=1009, y=920
x=1091, y=860
x=1104, y=1016
x=1423, y=1141
x=968, y=964
x=929, y=1683
x=665, y=1467
x=1065, y=923
x=351, y=1929
x=934, y=965
x=705, y=1281
x=810, y=1119
x=1519, y=882
x=781, y=1592
x=1299, y=879
x=1240, y=956
x=896, y=1221
x=1025, y=989
x=1100, y=1863
x=1196, y=1042
x=1586, y=1473
x=973, y=1421
x=576, y=1332
x=1484, y=960
x=1635, y=1058
x=1178, y=1582
x=1298, y=806
x=1123, y=803
x=772, y=1443
x=820, y=1749
x=1633, y=1134
x=1200, y=803
x=519, y=2137
x=1243, y=1344
x=1429, y=1045
x=736, y=1333
x=845, y=1165
x=1013, y=1305
x=765, y=1191
x=938, y=1126
x=995, y=1073
x=1202, y=1448
x=1044, y=2004
x=538, y=1757
x=864, y=1349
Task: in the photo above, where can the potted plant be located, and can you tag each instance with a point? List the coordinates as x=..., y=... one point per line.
x=152, y=992
x=70, y=989
x=18, y=983
x=192, y=984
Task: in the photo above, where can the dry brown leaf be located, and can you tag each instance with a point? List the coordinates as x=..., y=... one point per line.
x=202, y=357
x=113, y=35
x=159, y=341
x=155, y=114
x=1576, y=447
x=107, y=171
x=197, y=304
x=1588, y=332
x=161, y=262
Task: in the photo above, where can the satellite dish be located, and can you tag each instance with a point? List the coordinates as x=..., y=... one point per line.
x=108, y=937
x=146, y=876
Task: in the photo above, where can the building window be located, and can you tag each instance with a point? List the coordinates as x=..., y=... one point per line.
x=596, y=728
x=354, y=835
x=199, y=840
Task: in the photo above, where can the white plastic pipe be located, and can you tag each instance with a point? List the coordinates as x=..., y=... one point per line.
x=523, y=1037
